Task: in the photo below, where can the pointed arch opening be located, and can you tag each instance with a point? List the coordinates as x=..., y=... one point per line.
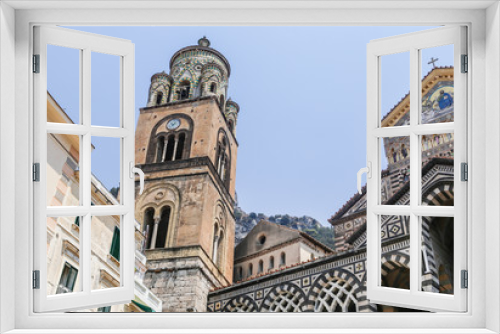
x=148, y=226
x=160, y=147
x=223, y=159
x=215, y=247
x=183, y=90
x=162, y=234
x=220, y=251
x=169, y=150
x=222, y=101
x=213, y=87
x=159, y=98
x=181, y=140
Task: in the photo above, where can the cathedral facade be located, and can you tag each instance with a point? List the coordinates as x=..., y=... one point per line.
x=187, y=148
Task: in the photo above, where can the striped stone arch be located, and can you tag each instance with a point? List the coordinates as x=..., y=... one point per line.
x=241, y=304
x=192, y=79
x=337, y=290
x=437, y=195
x=393, y=261
x=286, y=297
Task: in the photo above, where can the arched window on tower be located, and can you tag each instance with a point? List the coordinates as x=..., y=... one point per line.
x=162, y=233
x=223, y=161
x=250, y=270
x=160, y=147
x=230, y=125
x=220, y=251
x=222, y=100
x=183, y=90
x=170, y=145
x=181, y=139
x=213, y=87
x=159, y=98
x=226, y=172
x=215, y=247
x=148, y=226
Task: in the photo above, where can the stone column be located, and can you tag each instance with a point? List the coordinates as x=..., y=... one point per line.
x=155, y=232
x=175, y=147
x=219, y=161
x=222, y=168
x=216, y=246
x=164, y=149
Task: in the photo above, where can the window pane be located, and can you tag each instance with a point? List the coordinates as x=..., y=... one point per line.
x=437, y=84
x=63, y=170
x=437, y=254
x=63, y=255
x=395, y=261
x=105, y=90
x=395, y=89
x=395, y=171
x=106, y=170
x=63, y=84
x=437, y=169
x=105, y=258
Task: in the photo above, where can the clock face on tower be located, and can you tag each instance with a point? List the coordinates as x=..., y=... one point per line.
x=173, y=124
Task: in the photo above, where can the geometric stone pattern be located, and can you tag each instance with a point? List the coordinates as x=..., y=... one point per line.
x=336, y=295
x=286, y=297
x=312, y=288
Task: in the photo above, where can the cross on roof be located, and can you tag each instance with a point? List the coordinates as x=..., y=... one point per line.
x=432, y=61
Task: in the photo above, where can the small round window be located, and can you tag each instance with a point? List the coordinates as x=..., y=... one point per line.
x=262, y=239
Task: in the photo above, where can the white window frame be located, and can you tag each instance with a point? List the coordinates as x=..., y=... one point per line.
x=412, y=43
x=482, y=316
x=86, y=44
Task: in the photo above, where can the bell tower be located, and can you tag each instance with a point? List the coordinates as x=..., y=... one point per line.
x=186, y=146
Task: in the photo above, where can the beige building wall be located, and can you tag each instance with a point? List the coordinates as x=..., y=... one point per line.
x=295, y=252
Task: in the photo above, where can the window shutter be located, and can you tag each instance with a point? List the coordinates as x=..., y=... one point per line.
x=115, y=244
x=422, y=131
x=81, y=291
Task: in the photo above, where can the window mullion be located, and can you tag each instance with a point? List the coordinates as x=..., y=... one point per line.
x=85, y=174
x=414, y=169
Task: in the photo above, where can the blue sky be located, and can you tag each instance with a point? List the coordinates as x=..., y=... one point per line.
x=302, y=93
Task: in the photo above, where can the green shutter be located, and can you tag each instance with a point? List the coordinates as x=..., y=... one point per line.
x=77, y=221
x=104, y=309
x=115, y=244
x=143, y=307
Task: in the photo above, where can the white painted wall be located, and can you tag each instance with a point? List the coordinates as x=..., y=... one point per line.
x=7, y=167
x=492, y=156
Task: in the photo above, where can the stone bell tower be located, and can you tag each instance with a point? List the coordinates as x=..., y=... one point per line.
x=186, y=146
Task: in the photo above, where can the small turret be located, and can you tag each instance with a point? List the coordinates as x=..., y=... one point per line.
x=159, y=90
x=231, y=113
